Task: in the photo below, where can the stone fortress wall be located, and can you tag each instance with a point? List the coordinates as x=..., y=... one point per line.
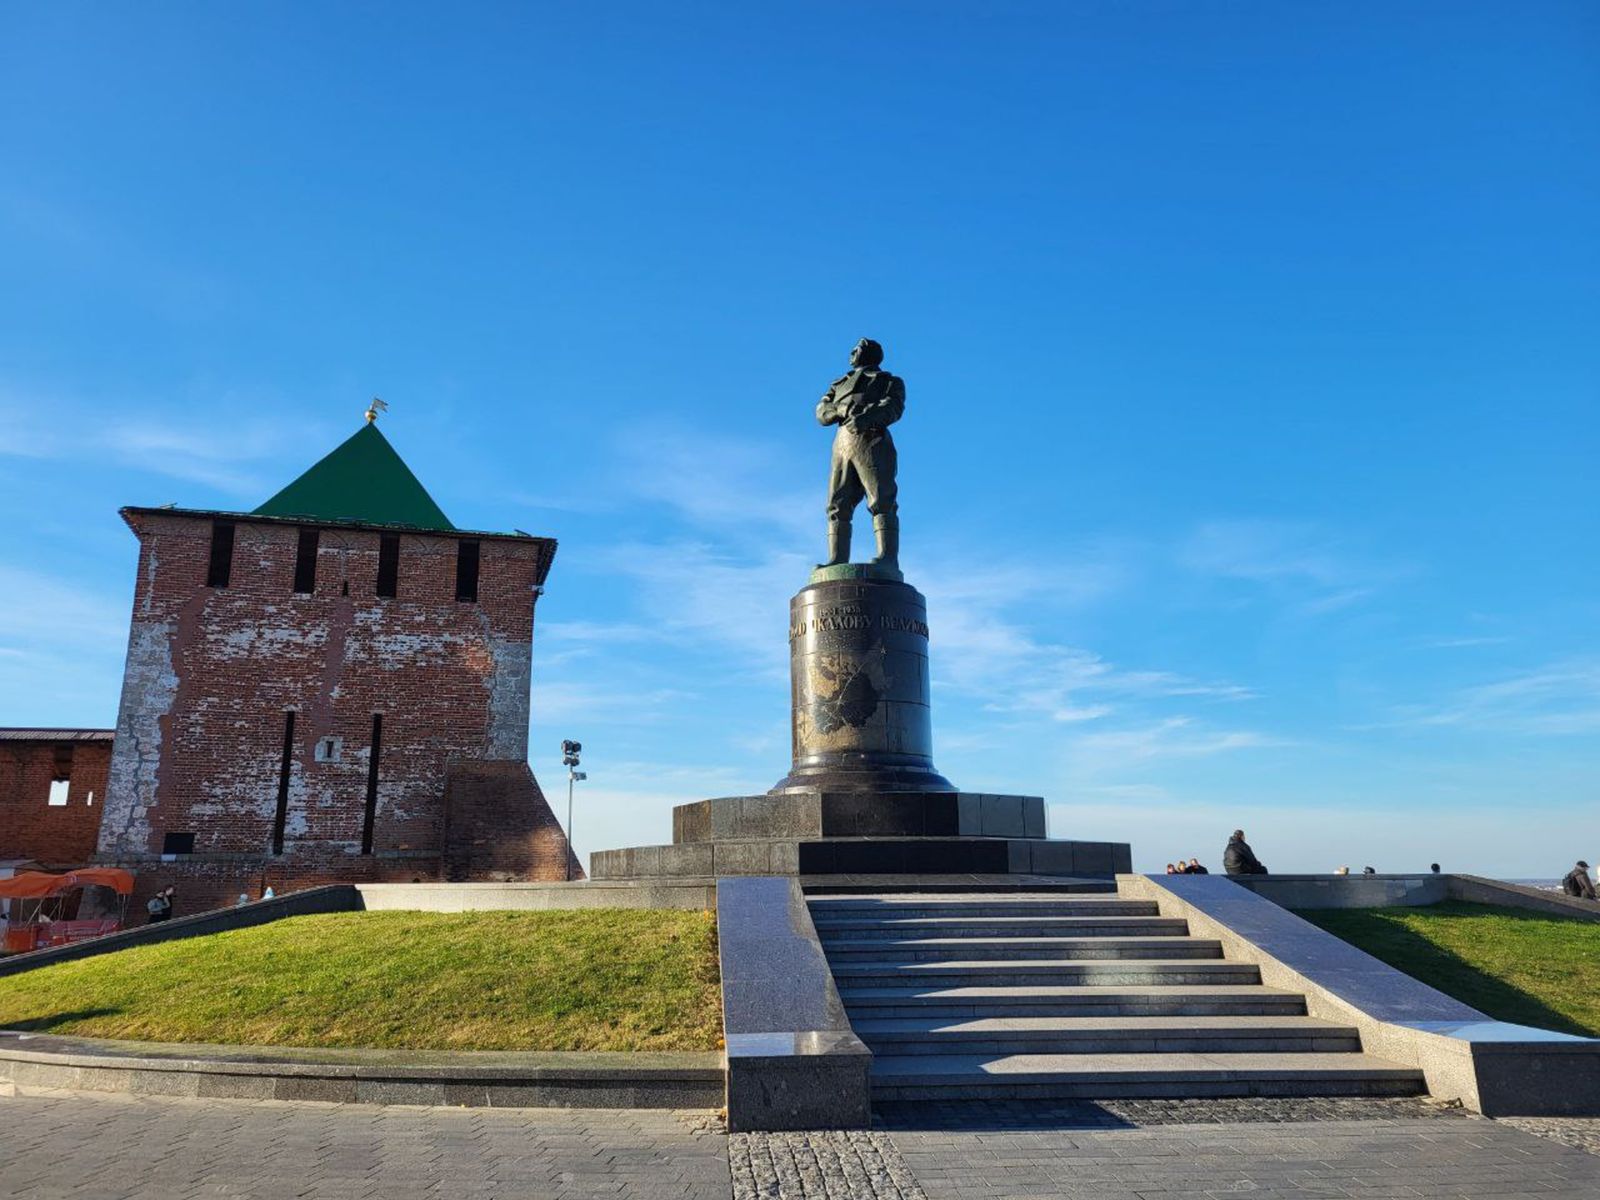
x=31, y=760
x=270, y=736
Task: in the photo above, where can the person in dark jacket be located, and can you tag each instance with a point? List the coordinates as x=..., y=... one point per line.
x=160, y=906
x=1577, y=882
x=1239, y=859
x=1194, y=868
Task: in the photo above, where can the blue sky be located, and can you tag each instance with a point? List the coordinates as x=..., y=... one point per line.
x=1251, y=355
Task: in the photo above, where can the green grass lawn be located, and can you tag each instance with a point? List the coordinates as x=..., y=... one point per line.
x=593, y=979
x=1512, y=964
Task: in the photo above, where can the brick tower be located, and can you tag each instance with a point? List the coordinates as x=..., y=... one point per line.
x=331, y=688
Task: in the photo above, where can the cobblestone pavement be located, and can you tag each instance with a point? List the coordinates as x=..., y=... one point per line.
x=1582, y=1132
x=856, y=1165
x=92, y=1146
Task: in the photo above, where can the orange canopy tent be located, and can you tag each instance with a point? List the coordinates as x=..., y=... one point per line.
x=35, y=885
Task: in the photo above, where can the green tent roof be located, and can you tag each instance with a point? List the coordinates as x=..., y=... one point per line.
x=362, y=479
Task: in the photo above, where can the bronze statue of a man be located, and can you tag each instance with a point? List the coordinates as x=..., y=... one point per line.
x=863, y=404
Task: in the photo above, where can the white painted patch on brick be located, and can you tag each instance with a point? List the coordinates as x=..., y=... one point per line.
x=509, y=684
x=149, y=687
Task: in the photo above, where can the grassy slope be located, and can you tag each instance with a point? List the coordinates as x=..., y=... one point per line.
x=1512, y=964
x=598, y=979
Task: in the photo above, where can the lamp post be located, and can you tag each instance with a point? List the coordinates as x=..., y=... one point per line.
x=569, y=758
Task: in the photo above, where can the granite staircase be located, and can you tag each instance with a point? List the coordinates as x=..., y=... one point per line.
x=1070, y=996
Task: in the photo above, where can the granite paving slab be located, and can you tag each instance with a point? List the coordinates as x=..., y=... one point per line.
x=55, y=1145
x=1355, y=1149
x=1583, y=1133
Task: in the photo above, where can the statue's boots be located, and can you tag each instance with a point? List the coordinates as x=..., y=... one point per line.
x=887, y=530
x=838, y=543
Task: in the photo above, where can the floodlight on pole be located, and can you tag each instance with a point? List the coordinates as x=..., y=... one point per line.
x=570, y=757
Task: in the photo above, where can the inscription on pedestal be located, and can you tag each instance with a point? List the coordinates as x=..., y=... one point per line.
x=850, y=619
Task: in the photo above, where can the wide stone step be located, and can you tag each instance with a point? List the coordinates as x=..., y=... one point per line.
x=933, y=999
x=964, y=926
x=1106, y=1035
x=884, y=950
x=1110, y=1076
x=978, y=904
x=1144, y=972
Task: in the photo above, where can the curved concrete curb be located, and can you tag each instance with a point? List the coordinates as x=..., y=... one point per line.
x=470, y=1079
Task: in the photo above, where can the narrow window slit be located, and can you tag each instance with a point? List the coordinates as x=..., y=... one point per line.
x=372, y=783
x=220, y=568
x=389, y=565
x=281, y=818
x=467, y=570
x=305, y=562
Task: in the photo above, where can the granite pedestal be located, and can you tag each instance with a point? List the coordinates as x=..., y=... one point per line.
x=862, y=795
x=861, y=707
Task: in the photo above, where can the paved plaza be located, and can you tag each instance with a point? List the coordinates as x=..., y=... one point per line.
x=93, y=1146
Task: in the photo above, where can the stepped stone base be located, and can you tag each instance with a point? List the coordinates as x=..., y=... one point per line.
x=865, y=856
x=863, y=833
x=826, y=814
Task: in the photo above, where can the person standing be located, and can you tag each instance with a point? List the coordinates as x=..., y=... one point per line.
x=160, y=906
x=1194, y=868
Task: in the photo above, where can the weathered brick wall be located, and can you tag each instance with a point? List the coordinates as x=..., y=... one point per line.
x=29, y=826
x=212, y=671
x=215, y=881
x=499, y=827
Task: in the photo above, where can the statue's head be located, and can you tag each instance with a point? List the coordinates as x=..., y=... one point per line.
x=867, y=353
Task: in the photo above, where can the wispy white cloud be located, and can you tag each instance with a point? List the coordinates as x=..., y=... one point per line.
x=218, y=458
x=1265, y=551
x=561, y=642
x=716, y=481
x=1102, y=751
x=224, y=455
x=1558, y=699
x=717, y=597
x=982, y=649
x=564, y=700
x=61, y=648
x=40, y=611
x=1305, y=567
x=1462, y=643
